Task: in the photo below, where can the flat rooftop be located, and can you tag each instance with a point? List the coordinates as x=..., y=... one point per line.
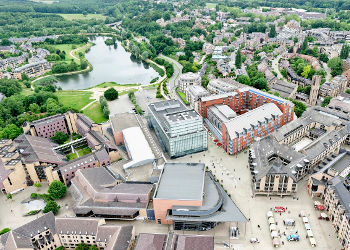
x=181, y=181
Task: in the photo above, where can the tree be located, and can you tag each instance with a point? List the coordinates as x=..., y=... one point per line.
x=243, y=79
x=326, y=101
x=323, y=57
x=93, y=247
x=82, y=246
x=9, y=87
x=34, y=108
x=60, y=137
x=344, y=53
x=52, y=106
x=24, y=77
x=144, y=55
x=111, y=94
x=51, y=206
x=57, y=190
x=304, y=46
x=5, y=42
x=306, y=71
x=238, y=61
x=83, y=64
x=272, y=32
x=336, y=65
x=11, y=131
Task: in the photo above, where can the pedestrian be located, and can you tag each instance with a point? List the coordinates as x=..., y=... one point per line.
x=282, y=242
x=286, y=208
x=258, y=226
x=270, y=198
x=239, y=179
x=249, y=219
x=280, y=214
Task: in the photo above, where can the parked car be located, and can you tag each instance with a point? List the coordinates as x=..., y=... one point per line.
x=293, y=237
x=254, y=240
x=279, y=209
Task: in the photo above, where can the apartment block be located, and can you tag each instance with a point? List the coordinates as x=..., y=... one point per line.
x=250, y=114
x=32, y=69
x=188, y=79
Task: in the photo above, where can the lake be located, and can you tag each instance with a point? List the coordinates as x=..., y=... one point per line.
x=110, y=64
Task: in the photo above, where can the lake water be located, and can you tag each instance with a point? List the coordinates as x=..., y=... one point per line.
x=110, y=64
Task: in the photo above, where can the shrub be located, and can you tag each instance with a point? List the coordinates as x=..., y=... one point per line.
x=111, y=94
x=57, y=190
x=5, y=230
x=60, y=137
x=34, y=195
x=38, y=185
x=9, y=196
x=51, y=206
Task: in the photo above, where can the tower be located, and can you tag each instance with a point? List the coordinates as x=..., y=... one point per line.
x=315, y=85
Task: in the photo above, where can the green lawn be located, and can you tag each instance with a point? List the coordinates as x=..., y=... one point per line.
x=71, y=17
x=71, y=156
x=74, y=98
x=182, y=96
x=211, y=5
x=84, y=151
x=95, y=113
x=68, y=48
x=114, y=84
x=27, y=91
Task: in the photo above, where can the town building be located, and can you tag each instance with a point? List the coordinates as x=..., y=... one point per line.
x=193, y=93
x=33, y=158
x=238, y=132
x=97, y=192
x=219, y=86
x=273, y=167
x=190, y=198
x=50, y=232
x=171, y=241
x=335, y=87
x=32, y=69
x=284, y=88
x=341, y=103
x=188, y=79
x=180, y=131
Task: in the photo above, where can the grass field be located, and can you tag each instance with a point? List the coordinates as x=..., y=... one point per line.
x=211, y=5
x=182, y=96
x=82, y=17
x=84, y=151
x=67, y=48
x=114, y=84
x=71, y=156
x=74, y=98
x=95, y=113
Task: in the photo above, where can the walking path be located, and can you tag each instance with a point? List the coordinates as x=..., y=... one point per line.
x=88, y=104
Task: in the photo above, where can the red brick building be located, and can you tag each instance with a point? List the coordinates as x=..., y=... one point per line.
x=257, y=114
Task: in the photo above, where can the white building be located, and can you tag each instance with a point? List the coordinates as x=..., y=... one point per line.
x=188, y=79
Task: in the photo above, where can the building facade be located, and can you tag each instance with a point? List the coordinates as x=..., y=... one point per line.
x=187, y=80
x=179, y=130
x=238, y=133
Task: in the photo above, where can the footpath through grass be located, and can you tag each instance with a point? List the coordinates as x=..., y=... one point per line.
x=74, y=98
x=95, y=113
x=114, y=84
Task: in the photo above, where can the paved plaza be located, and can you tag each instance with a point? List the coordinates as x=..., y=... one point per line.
x=233, y=173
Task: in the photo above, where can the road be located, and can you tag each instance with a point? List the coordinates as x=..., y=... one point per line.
x=328, y=71
x=173, y=80
x=275, y=66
